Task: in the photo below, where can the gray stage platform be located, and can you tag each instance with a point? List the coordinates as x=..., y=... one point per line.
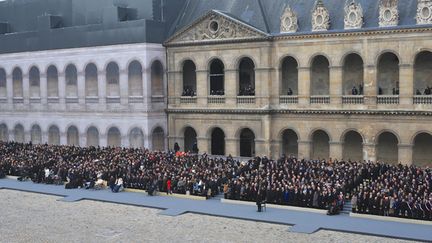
x=303, y=222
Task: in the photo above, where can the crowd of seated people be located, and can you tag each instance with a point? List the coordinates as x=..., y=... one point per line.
x=247, y=91
x=427, y=91
x=189, y=91
x=217, y=92
x=376, y=188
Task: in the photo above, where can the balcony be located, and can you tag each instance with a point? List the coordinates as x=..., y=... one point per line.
x=288, y=99
x=157, y=99
x=53, y=100
x=35, y=100
x=245, y=99
x=3, y=100
x=18, y=100
x=136, y=99
x=320, y=99
x=353, y=99
x=92, y=100
x=422, y=100
x=112, y=99
x=188, y=100
x=216, y=99
x=388, y=99
x=71, y=100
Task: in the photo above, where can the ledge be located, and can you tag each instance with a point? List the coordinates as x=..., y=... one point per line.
x=268, y=205
x=163, y=194
x=391, y=219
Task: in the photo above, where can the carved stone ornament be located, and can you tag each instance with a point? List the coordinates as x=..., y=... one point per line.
x=353, y=15
x=424, y=12
x=217, y=27
x=320, y=17
x=388, y=13
x=289, y=23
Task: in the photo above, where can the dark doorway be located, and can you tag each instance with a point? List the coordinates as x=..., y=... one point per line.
x=247, y=143
x=218, y=142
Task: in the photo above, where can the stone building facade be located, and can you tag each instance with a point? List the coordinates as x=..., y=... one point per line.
x=356, y=91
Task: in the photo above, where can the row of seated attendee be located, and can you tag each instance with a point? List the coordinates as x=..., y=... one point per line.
x=427, y=91
x=376, y=188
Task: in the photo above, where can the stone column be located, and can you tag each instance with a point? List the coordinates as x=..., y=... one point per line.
x=202, y=86
x=304, y=149
x=26, y=89
x=125, y=140
x=102, y=87
x=27, y=135
x=124, y=87
x=9, y=88
x=62, y=87
x=203, y=145
x=336, y=150
x=370, y=88
x=336, y=86
x=231, y=86
x=83, y=139
x=406, y=85
x=232, y=146
x=81, y=87
x=103, y=141
x=369, y=151
x=63, y=138
x=44, y=137
x=304, y=86
x=275, y=149
x=174, y=86
x=405, y=153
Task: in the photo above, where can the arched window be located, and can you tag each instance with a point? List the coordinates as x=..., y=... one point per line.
x=19, y=133
x=353, y=146
x=189, y=79
x=112, y=79
x=190, y=138
x=387, y=148
x=72, y=136
x=3, y=88
x=289, y=72
x=71, y=81
x=36, y=134
x=246, y=77
x=114, y=137
x=4, y=133
x=17, y=83
x=52, y=80
x=136, y=138
x=320, y=145
x=320, y=76
x=388, y=74
x=158, y=139
x=423, y=73
x=289, y=143
x=247, y=143
x=353, y=75
x=92, y=137
x=135, y=79
x=54, y=135
x=34, y=79
x=217, y=78
x=91, y=80
x=217, y=142
x=157, y=74
x=422, y=152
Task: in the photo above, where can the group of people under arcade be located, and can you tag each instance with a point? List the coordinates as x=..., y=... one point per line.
x=374, y=188
x=427, y=91
x=246, y=90
x=189, y=91
x=357, y=91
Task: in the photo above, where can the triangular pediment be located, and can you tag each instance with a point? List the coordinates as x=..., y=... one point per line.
x=215, y=26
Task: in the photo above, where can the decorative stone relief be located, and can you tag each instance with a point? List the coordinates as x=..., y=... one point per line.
x=388, y=13
x=424, y=12
x=353, y=15
x=289, y=23
x=216, y=27
x=320, y=17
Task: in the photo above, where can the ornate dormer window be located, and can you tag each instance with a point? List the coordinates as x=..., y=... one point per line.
x=289, y=22
x=353, y=15
x=320, y=17
x=388, y=13
x=424, y=12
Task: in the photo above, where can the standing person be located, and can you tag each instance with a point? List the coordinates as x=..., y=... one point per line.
x=168, y=183
x=176, y=147
x=258, y=201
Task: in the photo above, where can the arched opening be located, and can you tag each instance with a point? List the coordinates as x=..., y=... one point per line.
x=320, y=145
x=158, y=139
x=422, y=152
x=353, y=75
x=19, y=133
x=320, y=76
x=112, y=78
x=157, y=73
x=71, y=81
x=17, y=83
x=3, y=88
x=387, y=148
x=217, y=77
x=352, y=146
x=289, y=143
x=34, y=79
x=136, y=138
x=4, y=133
x=135, y=79
x=189, y=78
x=217, y=142
x=388, y=74
x=247, y=143
x=92, y=137
x=190, y=138
x=54, y=135
x=36, y=134
x=289, y=72
x=423, y=73
x=91, y=80
x=52, y=81
x=114, y=137
x=72, y=136
x=246, y=77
